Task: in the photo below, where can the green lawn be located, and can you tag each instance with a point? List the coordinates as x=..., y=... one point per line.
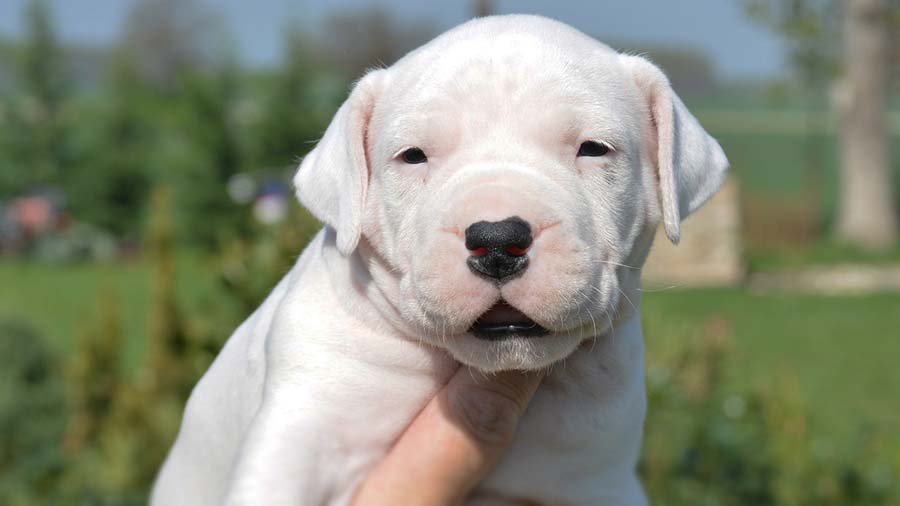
x=842, y=351
x=60, y=300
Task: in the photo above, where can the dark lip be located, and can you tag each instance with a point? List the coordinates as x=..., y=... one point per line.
x=518, y=326
x=497, y=332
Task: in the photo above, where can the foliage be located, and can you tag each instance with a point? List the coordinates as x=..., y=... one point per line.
x=250, y=268
x=706, y=444
x=32, y=416
x=168, y=371
x=110, y=188
x=811, y=29
x=211, y=129
x=173, y=109
x=709, y=439
x=119, y=426
x=171, y=39
x=95, y=375
x=38, y=134
x=304, y=84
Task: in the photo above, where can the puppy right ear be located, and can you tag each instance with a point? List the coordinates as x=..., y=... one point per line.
x=690, y=164
x=332, y=179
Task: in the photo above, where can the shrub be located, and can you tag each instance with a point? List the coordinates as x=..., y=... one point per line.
x=32, y=416
x=706, y=444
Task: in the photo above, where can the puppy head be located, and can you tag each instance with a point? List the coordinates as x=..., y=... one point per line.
x=507, y=178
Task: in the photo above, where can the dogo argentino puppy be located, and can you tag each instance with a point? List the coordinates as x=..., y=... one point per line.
x=488, y=200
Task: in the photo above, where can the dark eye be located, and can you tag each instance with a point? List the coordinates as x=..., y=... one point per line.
x=414, y=155
x=593, y=148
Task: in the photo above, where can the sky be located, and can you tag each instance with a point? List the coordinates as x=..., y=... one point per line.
x=739, y=49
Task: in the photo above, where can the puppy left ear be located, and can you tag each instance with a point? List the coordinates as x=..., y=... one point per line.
x=332, y=179
x=690, y=163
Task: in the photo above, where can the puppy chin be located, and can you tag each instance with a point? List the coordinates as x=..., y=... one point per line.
x=512, y=353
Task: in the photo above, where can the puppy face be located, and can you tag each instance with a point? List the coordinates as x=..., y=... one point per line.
x=507, y=178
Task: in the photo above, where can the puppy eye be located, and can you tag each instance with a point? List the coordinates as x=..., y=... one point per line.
x=593, y=148
x=413, y=156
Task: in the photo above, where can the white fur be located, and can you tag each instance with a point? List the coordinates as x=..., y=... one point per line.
x=313, y=389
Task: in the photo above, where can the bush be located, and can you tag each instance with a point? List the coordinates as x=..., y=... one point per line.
x=32, y=417
x=708, y=445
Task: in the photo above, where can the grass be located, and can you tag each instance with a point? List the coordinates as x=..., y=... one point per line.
x=840, y=351
x=60, y=300
x=770, y=258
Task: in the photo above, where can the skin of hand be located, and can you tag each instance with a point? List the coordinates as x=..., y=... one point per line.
x=453, y=442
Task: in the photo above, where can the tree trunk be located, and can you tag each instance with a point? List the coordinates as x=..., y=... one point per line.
x=483, y=8
x=867, y=215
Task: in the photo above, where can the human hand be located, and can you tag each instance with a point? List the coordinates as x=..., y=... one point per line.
x=453, y=443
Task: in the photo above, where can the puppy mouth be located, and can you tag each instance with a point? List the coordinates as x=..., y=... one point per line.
x=502, y=321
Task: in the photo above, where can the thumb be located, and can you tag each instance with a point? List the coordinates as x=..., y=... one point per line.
x=488, y=407
x=453, y=443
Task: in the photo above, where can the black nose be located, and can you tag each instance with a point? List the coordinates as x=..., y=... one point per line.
x=497, y=249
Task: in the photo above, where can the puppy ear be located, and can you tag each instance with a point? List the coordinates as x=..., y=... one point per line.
x=690, y=163
x=332, y=179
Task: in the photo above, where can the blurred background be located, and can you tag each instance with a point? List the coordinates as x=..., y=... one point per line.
x=146, y=148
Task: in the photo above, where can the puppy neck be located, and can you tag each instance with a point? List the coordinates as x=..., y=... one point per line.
x=374, y=339
x=360, y=292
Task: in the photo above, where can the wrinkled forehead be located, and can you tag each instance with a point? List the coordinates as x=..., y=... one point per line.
x=512, y=80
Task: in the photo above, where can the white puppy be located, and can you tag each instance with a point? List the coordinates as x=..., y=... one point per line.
x=489, y=199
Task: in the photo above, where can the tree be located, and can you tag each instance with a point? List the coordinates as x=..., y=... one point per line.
x=483, y=8
x=867, y=213
x=298, y=107
x=866, y=210
x=211, y=101
x=810, y=30
x=809, y=27
x=357, y=39
x=168, y=372
x=113, y=171
x=40, y=138
x=171, y=38
x=95, y=375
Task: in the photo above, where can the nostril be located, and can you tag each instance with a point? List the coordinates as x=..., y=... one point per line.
x=478, y=252
x=516, y=251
